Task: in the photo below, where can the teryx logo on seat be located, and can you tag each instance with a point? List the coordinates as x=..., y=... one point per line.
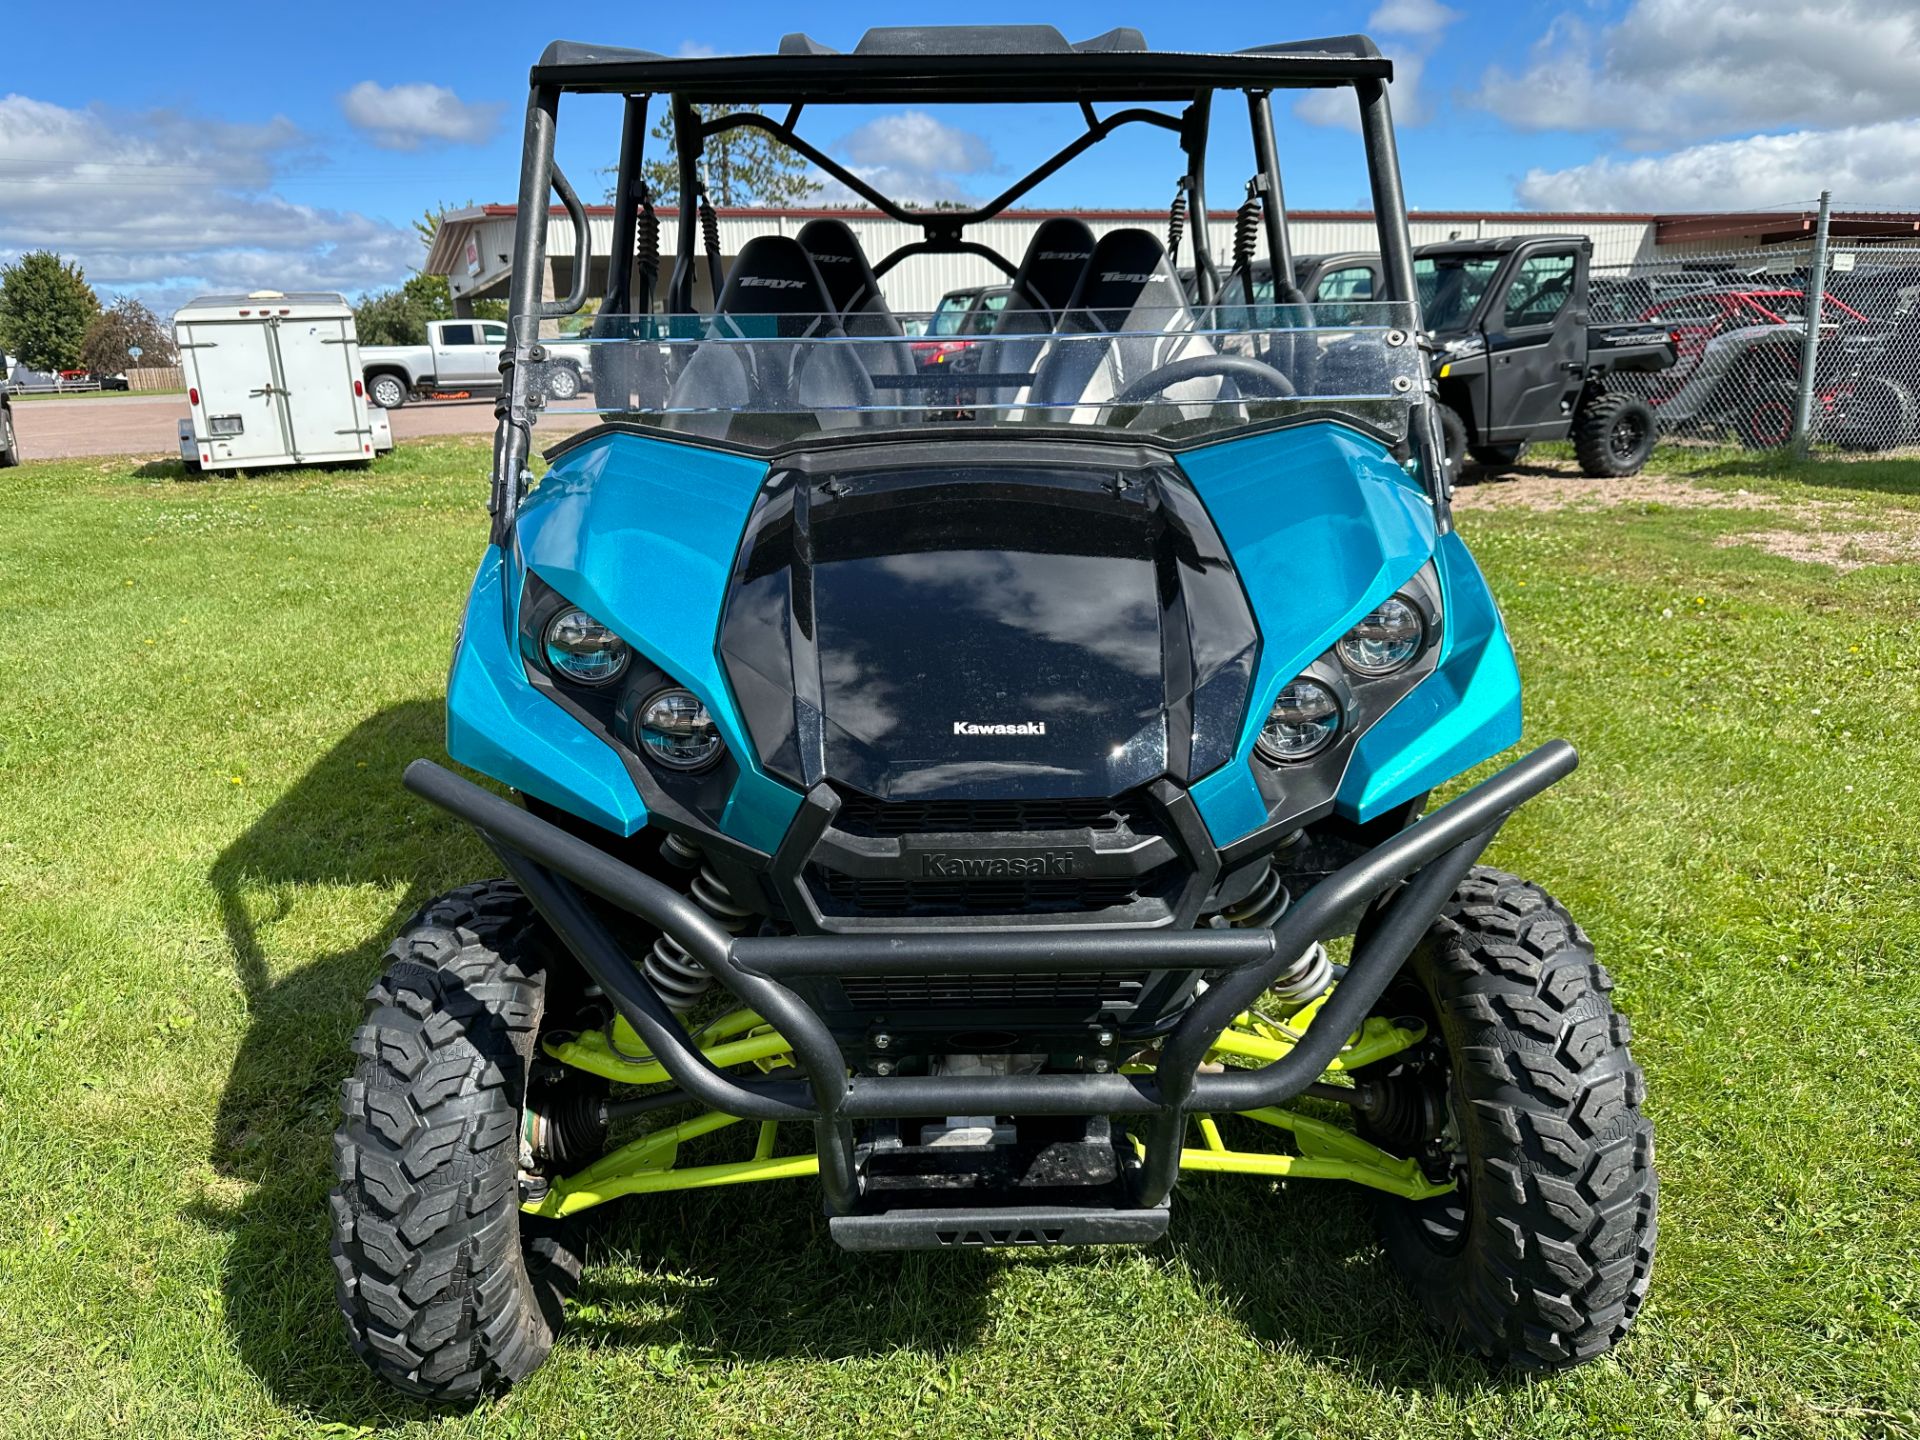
x=1025, y=727
x=1128, y=277
x=771, y=282
x=941, y=866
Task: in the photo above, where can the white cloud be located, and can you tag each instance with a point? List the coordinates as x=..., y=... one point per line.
x=1412, y=17
x=1864, y=165
x=1421, y=24
x=695, y=50
x=912, y=157
x=1685, y=69
x=914, y=140
x=1339, y=108
x=406, y=117
x=163, y=204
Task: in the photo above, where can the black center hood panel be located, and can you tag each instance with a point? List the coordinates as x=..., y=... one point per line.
x=1004, y=631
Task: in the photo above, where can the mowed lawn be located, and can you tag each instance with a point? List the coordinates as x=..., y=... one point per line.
x=211, y=688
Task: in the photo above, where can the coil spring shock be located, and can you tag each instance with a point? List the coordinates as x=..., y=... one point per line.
x=1176, y=225
x=1312, y=972
x=679, y=978
x=647, y=241
x=1246, y=229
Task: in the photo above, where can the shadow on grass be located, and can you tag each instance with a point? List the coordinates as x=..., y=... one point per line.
x=744, y=1273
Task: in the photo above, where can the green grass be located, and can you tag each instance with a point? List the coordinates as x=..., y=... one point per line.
x=211, y=688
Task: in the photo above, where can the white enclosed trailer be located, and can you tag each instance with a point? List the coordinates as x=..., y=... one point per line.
x=274, y=379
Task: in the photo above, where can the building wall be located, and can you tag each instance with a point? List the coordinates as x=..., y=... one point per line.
x=917, y=284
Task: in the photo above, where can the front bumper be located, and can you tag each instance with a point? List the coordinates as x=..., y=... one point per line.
x=1402, y=884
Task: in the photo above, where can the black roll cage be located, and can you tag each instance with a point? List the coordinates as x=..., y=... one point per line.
x=1113, y=68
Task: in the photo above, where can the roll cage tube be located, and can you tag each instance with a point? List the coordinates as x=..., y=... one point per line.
x=942, y=231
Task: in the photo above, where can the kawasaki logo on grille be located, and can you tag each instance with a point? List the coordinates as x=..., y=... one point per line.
x=1025, y=727
x=974, y=866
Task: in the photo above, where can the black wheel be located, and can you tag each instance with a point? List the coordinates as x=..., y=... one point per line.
x=1880, y=415
x=447, y=1289
x=1613, y=435
x=388, y=391
x=1527, y=1095
x=563, y=382
x=1497, y=457
x=1766, y=421
x=1454, y=431
x=9, y=442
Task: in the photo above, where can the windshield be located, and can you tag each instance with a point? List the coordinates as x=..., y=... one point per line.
x=764, y=381
x=1451, y=288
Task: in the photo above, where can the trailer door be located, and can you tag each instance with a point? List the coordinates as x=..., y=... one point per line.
x=316, y=369
x=239, y=392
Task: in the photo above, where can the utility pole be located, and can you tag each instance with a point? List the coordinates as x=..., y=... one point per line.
x=1810, y=345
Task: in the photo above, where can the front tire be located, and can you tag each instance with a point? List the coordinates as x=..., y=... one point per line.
x=389, y=392
x=9, y=442
x=1541, y=1259
x=563, y=383
x=446, y=1288
x=1453, y=432
x=1613, y=435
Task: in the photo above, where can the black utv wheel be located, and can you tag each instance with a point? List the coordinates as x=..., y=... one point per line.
x=1497, y=457
x=1613, y=435
x=1454, y=431
x=1881, y=414
x=446, y=1288
x=9, y=442
x=1527, y=1095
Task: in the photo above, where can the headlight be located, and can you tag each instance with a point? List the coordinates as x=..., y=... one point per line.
x=1302, y=723
x=581, y=649
x=1386, y=640
x=674, y=729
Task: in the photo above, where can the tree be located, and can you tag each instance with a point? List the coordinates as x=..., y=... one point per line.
x=399, y=317
x=741, y=167
x=46, y=305
x=117, y=331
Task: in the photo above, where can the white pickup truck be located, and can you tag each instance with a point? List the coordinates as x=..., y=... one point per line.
x=458, y=355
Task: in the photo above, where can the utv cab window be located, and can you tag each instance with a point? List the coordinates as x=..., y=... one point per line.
x=1451, y=290
x=985, y=315
x=1340, y=292
x=949, y=314
x=1540, y=291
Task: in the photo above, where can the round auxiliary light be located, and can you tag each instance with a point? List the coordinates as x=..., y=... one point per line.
x=1385, y=641
x=675, y=730
x=581, y=649
x=1302, y=723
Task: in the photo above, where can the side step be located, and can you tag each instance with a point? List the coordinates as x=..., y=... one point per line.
x=930, y=1229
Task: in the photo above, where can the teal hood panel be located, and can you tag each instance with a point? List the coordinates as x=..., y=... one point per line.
x=641, y=534
x=501, y=726
x=1463, y=713
x=1322, y=524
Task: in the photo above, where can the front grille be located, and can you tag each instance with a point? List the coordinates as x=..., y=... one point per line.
x=994, y=992
x=889, y=819
x=840, y=894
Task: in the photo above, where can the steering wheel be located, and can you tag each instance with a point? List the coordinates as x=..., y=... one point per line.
x=1249, y=375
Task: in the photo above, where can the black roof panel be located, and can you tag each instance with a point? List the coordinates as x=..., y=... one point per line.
x=960, y=63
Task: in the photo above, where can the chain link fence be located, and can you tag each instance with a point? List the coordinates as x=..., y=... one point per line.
x=1748, y=370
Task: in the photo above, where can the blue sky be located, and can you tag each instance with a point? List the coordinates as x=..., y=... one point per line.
x=227, y=144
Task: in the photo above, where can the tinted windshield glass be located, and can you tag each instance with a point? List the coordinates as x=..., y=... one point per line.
x=763, y=381
x=1451, y=289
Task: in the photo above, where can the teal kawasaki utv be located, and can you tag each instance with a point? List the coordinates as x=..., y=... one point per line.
x=948, y=778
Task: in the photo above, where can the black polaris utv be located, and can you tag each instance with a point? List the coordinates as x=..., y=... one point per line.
x=960, y=798
x=1519, y=359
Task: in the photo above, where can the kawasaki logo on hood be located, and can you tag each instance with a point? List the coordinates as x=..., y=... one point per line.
x=1025, y=727
x=942, y=866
